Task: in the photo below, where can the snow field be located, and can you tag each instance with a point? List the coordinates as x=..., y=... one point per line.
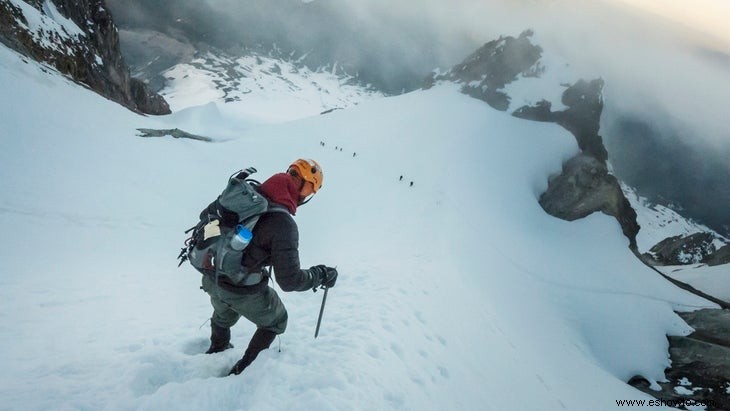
x=456, y=293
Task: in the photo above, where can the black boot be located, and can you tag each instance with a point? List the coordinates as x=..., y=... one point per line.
x=260, y=341
x=220, y=339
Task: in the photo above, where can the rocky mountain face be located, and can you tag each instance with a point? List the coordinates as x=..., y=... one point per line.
x=669, y=238
x=484, y=73
x=585, y=185
x=79, y=39
x=689, y=249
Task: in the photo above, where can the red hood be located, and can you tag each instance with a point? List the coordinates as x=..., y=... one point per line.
x=282, y=189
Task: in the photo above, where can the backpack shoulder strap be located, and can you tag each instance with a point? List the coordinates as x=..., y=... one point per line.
x=275, y=208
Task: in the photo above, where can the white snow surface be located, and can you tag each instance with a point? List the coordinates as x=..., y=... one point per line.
x=456, y=293
x=713, y=280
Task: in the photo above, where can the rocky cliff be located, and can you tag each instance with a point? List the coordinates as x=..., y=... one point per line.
x=79, y=39
x=585, y=185
x=688, y=249
x=485, y=73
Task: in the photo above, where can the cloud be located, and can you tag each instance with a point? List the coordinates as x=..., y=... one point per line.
x=647, y=59
x=637, y=52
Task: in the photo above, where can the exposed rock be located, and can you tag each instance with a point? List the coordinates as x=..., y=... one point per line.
x=583, y=116
x=86, y=48
x=584, y=100
x=330, y=110
x=700, y=370
x=174, y=132
x=541, y=111
x=712, y=326
x=721, y=256
x=678, y=250
x=147, y=100
x=584, y=187
x=485, y=72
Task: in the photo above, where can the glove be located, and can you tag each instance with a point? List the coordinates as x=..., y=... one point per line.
x=324, y=276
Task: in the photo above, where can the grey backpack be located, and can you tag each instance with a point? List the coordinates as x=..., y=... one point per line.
x=210, y=248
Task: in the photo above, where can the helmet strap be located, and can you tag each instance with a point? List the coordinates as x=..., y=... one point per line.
x=300, y=203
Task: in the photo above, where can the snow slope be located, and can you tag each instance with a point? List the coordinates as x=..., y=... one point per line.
x=713, y=280
x=456, y=293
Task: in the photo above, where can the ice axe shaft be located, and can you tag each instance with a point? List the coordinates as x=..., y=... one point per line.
x=321, y=311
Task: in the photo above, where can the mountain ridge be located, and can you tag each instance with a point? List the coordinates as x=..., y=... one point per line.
x=79, y=39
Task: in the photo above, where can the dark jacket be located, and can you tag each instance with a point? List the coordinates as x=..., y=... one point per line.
x=275, y=243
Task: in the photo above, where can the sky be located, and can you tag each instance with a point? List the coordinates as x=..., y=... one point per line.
x=707, y=16
x=457, y=292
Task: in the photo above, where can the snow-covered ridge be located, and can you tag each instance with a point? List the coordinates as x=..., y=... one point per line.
x=264, y=88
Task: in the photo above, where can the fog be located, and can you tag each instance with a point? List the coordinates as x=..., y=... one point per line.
x=662, y=66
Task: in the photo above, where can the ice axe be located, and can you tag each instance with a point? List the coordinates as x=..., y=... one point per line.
x=321, y=311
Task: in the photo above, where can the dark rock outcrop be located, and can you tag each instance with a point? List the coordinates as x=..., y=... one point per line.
x=485, y=72
x=582, y=118
x=174, y=132
x=89, y=53
x=147, y=100
x=584, y=187
x=700, y=370
x=678, y=250
x=719, y=257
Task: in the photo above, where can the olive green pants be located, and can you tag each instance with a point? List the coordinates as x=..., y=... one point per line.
x=264, y=309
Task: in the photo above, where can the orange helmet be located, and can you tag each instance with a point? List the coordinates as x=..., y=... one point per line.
x=308, y=170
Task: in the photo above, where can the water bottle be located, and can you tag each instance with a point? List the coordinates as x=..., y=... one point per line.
x=241, y=239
